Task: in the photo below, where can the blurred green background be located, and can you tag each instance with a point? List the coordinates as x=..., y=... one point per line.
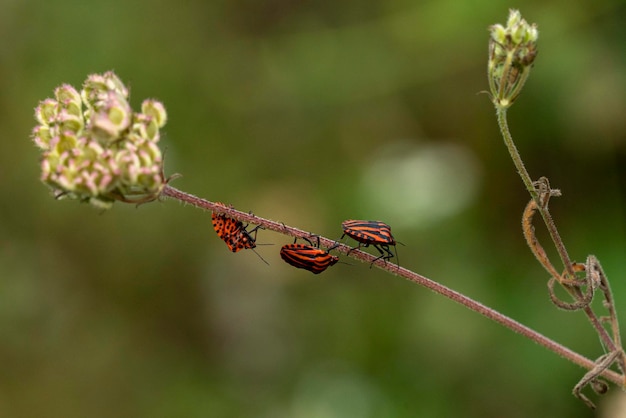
x=308, y=113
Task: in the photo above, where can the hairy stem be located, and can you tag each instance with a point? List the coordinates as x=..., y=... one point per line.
x=551, y=226
x=543, y=210
x=515, y=155
x=471, y=304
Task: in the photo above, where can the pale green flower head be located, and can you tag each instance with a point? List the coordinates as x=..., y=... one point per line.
x=512, y=51
x=95, y=148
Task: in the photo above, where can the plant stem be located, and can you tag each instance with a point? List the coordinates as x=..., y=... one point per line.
x=466, y=301
x=545, y=214
x=551, y=226
x=515, y=156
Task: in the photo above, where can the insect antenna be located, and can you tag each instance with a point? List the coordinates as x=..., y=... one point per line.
x=259, y=255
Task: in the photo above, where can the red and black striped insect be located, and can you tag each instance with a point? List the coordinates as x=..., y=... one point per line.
x=374, y=233
x=308, y=257
x=233, y=232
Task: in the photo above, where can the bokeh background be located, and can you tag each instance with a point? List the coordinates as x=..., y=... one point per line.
x=308, y=113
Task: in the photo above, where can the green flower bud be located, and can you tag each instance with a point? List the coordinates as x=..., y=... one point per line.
x=115, y=84
x=514, y=19
x=155, y=110
x=41, y=136
x=498, y=33
x=68, y=122
x=93, y=88
x=46, y=112
x=145, y=127
x=111, y=121
x=69, y=99
x=512, y=51
x=65, y=143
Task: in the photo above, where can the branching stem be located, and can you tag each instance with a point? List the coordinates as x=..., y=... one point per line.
x=539, y=203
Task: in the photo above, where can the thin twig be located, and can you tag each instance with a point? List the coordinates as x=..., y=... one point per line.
x=471, y=304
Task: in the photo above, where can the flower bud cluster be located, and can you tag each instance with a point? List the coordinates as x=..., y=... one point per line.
x=512, y=51
x=95, y=148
